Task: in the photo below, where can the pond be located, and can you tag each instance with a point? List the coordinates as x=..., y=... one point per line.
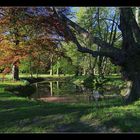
x=67, y=92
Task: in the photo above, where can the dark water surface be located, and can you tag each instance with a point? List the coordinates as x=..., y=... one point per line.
x=65, y=91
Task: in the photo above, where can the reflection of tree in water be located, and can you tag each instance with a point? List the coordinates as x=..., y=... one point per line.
x=79, y=88
x=51, y=88
x=63, y=88
x=59, y=90
x=97, y=88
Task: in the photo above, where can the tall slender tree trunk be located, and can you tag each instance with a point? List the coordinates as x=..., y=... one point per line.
x=94, y=66
x=57, y=71
x=100, y=61
x=77, y=71
x=31, y=73
x=51, y=69
x=37, y=69
x=137, y=14
x=37, y=72
x=84, y=71
x=15, y=72
x=57, y=84
x=15, y=68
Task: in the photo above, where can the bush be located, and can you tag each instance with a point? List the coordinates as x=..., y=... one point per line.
x=23, y=91
x=93, y=82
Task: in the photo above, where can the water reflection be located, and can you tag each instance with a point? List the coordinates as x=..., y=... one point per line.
x=57, y=91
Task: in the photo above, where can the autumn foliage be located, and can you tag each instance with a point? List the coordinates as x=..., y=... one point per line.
x=29, y=32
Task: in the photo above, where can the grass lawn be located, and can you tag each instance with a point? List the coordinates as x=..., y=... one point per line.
x=21, y=115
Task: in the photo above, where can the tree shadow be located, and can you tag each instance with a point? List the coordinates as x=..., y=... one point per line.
x=22, y=114
x=125, y=123
x=13, y=112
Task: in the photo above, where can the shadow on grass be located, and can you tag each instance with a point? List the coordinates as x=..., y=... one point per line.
x=126, y=123
x=18, y=115
x=23, y=115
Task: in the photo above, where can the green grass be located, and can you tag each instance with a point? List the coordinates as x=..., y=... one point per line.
x=8, y=78
x=46, y=75
x=9, y=82
x=21, y=115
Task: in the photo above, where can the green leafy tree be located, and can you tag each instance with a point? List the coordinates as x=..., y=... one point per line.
x=127, y=56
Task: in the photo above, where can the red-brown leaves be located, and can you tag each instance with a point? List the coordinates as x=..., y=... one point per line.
x=41, y=27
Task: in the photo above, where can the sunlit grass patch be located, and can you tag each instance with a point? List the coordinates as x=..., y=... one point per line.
x=10, y=82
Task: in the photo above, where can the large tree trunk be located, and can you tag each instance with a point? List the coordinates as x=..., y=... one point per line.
x=131, y=47
x=15, y=72
x=131, y=73
x=133, y=91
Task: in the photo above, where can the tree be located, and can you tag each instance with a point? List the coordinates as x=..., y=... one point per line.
x=13, y=21
x=26, y=33
x=87, y=13
x=98, y=22
x=127, y=57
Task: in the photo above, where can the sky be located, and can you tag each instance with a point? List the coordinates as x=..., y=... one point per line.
x=74, y=10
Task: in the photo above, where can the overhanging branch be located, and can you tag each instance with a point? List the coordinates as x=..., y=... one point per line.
x=106, y=49
x=106, y=52
x=84, y=32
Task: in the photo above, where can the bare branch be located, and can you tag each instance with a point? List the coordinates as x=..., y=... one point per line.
x=103, y=52
x=98, y=17
x=112, y=20
x=81, y=30
x=114, y=36
x=111, y=34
